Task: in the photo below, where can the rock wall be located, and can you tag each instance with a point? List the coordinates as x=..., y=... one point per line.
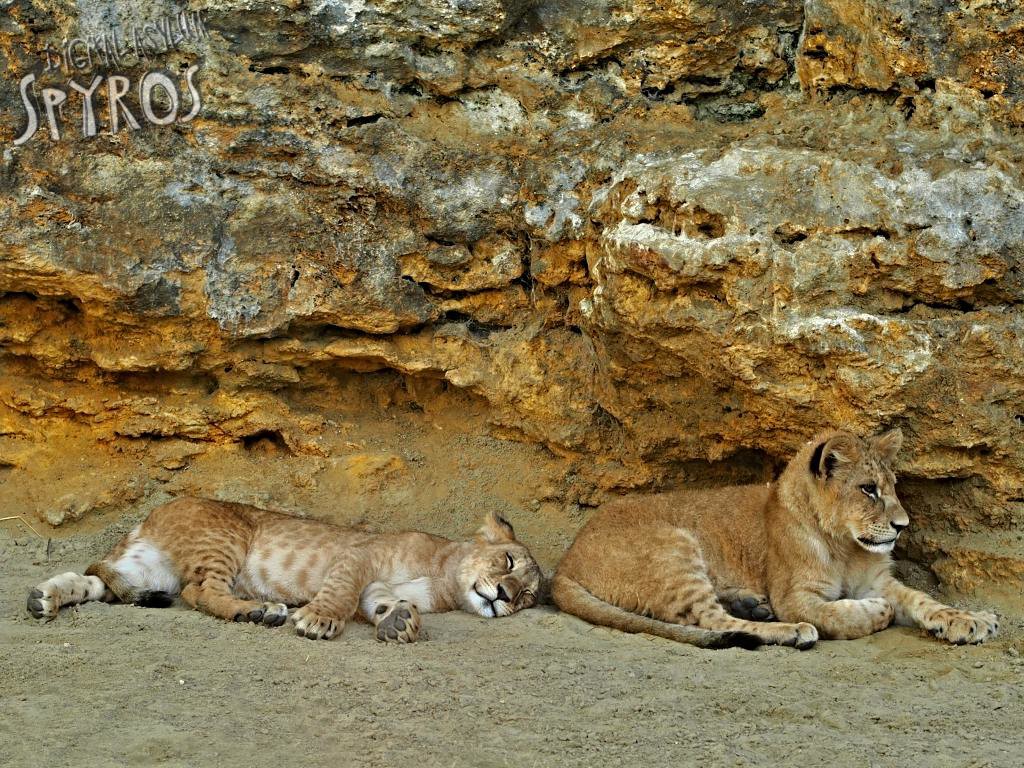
x=666, y=240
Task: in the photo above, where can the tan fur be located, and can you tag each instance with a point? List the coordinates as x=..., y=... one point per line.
x=814, y=547
x=246, y=564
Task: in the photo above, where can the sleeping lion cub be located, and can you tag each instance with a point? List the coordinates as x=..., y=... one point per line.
x=812, y=549
x=246, y=564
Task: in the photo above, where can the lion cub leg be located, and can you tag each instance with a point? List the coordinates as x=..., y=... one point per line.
x=688, y=596
x=66, y=589
x=916, y=609
x=214, y=597
x=746, y=604
x=324, y=617
x=396, y=620
x=845, y=619
x=213, y=594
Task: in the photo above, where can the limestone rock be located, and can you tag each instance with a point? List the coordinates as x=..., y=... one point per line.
x=908, y=44
x=667, y=241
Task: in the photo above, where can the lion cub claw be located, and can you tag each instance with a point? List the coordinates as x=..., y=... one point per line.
x=398, y=624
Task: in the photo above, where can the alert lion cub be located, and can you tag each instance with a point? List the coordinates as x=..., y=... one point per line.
x=246, y=564
x=812, y=549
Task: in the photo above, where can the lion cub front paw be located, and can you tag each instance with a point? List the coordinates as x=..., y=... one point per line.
x=399, y=623
x=878, y=611
x=962, y=627
x=851, y=619
x=315, y=626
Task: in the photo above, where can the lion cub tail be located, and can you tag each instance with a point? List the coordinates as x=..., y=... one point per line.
x=572, y=598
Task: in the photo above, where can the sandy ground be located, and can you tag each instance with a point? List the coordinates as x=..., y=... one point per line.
x=107, y=685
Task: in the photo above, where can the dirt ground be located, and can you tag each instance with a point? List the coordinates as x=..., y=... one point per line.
x=111, y=685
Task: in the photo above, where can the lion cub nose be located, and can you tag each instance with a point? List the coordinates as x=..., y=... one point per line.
x=898, y=526
x=502, y=594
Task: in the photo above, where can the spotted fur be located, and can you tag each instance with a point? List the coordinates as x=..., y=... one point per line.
x=241, y=563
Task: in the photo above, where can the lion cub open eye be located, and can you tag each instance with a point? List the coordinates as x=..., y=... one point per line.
x=509, y=562
x=870, y=490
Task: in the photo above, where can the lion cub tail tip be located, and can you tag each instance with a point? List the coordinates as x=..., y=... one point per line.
x=150, y=598
x=744, y=640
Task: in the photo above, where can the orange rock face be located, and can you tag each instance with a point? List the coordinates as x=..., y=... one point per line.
x=649, y=243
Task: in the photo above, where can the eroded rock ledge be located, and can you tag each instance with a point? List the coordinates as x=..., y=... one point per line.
x=667, y=241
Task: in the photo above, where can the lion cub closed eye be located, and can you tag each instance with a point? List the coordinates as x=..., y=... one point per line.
x=246, y=564
x=812, y=549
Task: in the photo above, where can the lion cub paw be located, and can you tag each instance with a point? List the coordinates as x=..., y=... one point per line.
x=315, y=626
x=804, y=636
x=878, y=612
x=962, y=627
x=744, y=604
x=399, y=623
x=860, y=618
x=43, y=604
x=270, y=614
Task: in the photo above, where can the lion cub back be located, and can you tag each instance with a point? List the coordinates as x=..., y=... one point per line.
x=642, y=564
x=727, y=524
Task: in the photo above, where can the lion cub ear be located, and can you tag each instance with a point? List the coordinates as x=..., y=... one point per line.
x=827, y=456
x=495, y=530
x=888, y=444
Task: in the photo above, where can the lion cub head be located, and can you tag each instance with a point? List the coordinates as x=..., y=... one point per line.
x=857, y=488
x=499, y=575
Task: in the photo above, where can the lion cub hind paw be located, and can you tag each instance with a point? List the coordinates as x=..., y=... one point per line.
x=752, y=607
x=400, y=624
x=963, y=627
x=310, y=624
x=269, y=614
x=42, y=605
